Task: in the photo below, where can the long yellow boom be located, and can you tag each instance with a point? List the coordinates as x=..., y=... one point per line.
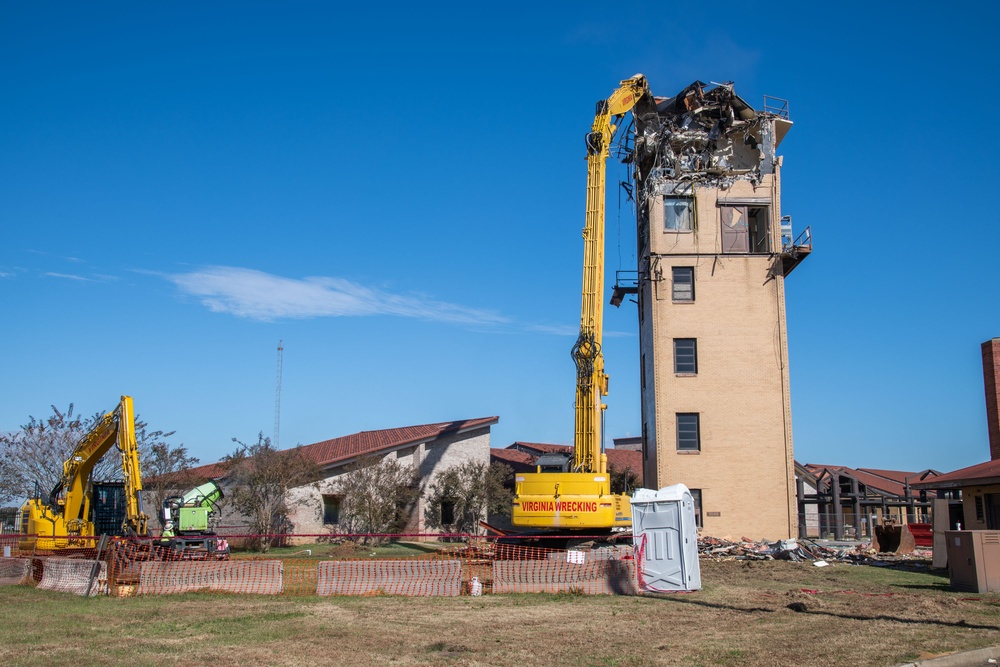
x=591, y=380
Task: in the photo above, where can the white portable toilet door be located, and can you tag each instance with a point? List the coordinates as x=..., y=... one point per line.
x=662, y=561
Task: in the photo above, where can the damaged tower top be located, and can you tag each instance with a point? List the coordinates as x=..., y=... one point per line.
x=706, y=135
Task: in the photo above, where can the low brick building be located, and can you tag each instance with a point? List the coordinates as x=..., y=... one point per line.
x=430, y=448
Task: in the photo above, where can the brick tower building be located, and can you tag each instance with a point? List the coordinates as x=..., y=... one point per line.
x=713, y=253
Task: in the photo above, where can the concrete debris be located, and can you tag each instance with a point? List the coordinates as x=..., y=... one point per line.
x=717, y=549
x=708, y=135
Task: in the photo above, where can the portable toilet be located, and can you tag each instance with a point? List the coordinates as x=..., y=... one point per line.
x=665, y=538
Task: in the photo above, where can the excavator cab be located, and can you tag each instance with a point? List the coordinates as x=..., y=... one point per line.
x=553, y=463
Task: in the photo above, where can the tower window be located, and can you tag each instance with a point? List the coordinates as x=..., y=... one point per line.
x=696, y=497
x=745, y=229
x=685, y=355
x=688, y=432
x=678, y=214
x=683, y=283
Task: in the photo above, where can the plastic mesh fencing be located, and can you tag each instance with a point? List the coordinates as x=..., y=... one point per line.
x=76, y=576
x=14, y=571
x=325, y=565
x=262, y=577
x=390, y=577
x=596, y=572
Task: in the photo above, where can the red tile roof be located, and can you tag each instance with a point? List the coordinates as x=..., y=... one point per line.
x=625, y=459
x=366, y=443
x=981, y=473
x=517, y=460
x=540, y=448
x=512, y=456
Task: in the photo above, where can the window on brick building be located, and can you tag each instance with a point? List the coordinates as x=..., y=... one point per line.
x=745, y=229
x=678, y=214
x=447, y=512
x=331, y=509
x=688, y=432
x=685, y=356
x=696, y=496
x=683, y=283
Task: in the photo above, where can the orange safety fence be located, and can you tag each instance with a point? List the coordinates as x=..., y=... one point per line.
x=324, y=565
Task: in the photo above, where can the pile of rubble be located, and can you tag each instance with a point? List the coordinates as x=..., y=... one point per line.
x=714, y=548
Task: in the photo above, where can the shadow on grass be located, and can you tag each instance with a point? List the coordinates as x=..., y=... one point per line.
x=943, y=588
x=801, y=608
x=428, y=548
x=681, y=598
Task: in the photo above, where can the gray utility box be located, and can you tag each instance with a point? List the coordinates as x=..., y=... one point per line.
x=974, y=560
x=665, y=537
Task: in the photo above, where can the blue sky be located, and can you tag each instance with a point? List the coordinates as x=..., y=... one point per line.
x=397, y=193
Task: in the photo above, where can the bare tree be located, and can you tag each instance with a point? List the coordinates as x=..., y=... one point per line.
x=36, y=453
x=463, y=495
x=378, y=496
x=258, y=479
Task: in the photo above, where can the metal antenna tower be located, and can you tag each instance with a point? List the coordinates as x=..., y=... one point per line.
x=277, y=399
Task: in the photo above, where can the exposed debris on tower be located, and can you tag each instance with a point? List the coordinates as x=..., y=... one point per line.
x=706, y=135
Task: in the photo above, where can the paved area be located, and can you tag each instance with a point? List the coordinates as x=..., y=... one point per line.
x=982, y=656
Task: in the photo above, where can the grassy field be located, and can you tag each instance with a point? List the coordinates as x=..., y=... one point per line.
x=766, y=613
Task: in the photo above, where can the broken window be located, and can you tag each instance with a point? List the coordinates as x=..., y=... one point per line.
x=683, y=283
x=685, y=355
x=688, y=432
x=331, y=509
x=745, y=229
x=696, y=497
x=678, y=214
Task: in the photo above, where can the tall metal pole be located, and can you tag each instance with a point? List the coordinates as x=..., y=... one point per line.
x=277, y=400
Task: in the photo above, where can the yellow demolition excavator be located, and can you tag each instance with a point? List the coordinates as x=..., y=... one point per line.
x=74, y=510
x=573, y=492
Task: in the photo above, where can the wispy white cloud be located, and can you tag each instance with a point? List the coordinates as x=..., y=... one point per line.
x=67, y=276
x=263, y=296
x=555, y=329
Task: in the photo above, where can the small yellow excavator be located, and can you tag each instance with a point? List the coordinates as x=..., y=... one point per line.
x=574, y=492
x=65, y=517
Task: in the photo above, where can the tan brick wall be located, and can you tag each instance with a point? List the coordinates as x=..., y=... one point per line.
x=745, y=468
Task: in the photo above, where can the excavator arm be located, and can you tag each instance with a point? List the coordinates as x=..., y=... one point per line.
x=135, y=519
x=576, y=495
x=591, y=380
x=66, y=512
x=115, y=428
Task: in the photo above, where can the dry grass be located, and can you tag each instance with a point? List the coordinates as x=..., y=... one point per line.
x=748, y=613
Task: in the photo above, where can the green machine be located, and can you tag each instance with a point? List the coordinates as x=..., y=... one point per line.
x=188, y=526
